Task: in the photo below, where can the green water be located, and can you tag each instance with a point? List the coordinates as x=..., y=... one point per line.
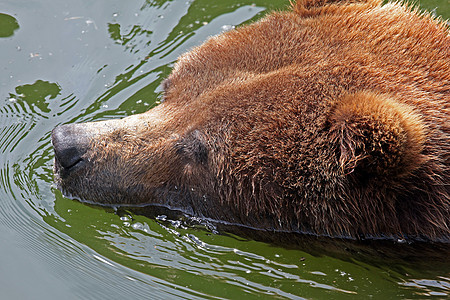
x=82, y=60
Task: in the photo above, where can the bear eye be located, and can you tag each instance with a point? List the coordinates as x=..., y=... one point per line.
x=193, y=148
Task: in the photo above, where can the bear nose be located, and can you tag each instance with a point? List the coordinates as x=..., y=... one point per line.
x=70, y=143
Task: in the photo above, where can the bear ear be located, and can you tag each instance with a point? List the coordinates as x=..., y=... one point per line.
x=374, y=135
x=309, y=7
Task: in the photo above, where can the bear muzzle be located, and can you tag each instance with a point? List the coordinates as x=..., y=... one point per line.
x=122, y=161
x=70, y=143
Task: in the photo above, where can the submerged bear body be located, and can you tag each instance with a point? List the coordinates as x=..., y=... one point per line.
x=332, y=119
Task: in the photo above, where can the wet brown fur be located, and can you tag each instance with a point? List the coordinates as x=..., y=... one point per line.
x=332, y=119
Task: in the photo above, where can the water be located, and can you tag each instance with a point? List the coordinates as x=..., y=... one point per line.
x=76, y=61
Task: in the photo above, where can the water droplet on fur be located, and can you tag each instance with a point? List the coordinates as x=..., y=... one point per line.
x=226, y=28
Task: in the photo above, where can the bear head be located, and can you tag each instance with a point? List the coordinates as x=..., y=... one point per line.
x=331, y=119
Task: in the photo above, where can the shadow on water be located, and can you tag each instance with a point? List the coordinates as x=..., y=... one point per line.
x=424, y=255
x=195, y=253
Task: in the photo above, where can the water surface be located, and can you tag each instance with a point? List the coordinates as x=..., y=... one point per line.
x=81, y=60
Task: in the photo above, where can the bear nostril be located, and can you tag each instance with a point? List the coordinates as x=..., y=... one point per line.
x=70, y=143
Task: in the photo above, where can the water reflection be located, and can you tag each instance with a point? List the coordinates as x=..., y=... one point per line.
x=195, y=258
x=439, y=288
x=8, y=24
x=36, y=96
x=124, y=38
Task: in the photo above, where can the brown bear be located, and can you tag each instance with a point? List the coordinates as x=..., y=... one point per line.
x=331, y=119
